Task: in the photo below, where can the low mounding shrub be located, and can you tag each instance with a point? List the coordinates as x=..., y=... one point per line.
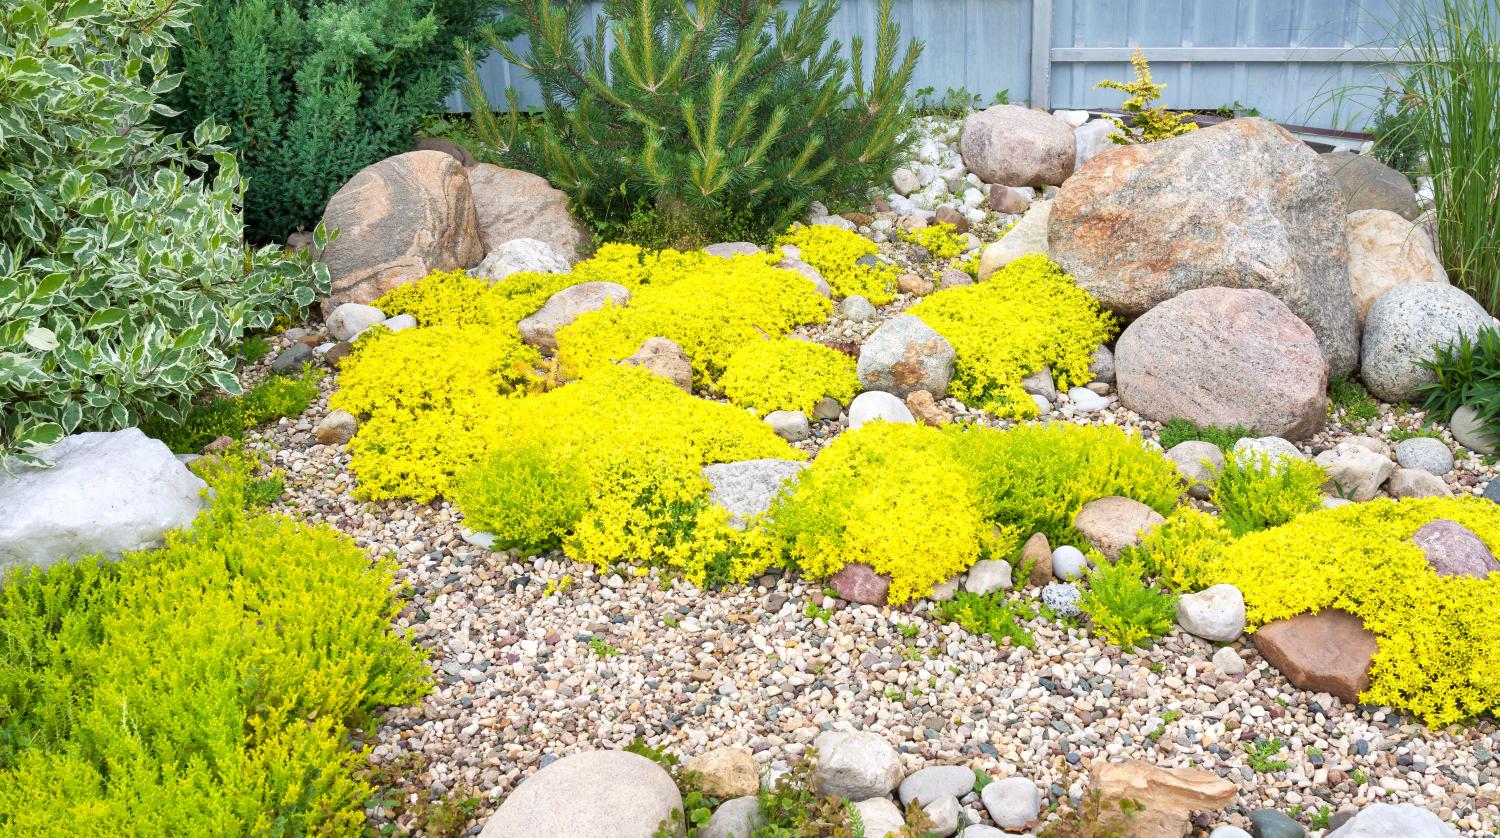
x=523, y=495
x=788, y=374
x=638, y=444
x=940, y=240
x=205, y=688
x=836, y=254
x=1437, y=634
x=125, y=290
x=1255, y=490
x=1028, y=315
x=710, y=306
x=872, y=496
x=315, y=91
x=1125, y=610
x=1181, y=551
x=1177, y=431
x=1038, y=477
x=705, y=113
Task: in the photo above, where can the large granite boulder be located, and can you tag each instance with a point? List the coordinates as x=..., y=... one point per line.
x=512, y=204
x=1223, y=357
x=399, y=220
x=1367, y=183
x=586, y=795
x=1242, y=204
x=1405, y=327
x=1011, y=145
x=905, y=355
x=1327, y=652
x=105, y=494
x=1386, y=251
x=540, y=329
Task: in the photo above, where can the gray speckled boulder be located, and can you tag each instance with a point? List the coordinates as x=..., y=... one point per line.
x=1368, y=183
x=747, y=487
x=1472, y=433
x=934, y=781
x=1242, y=204
x=1425, y=453
x=1405, y=326
x=905, y=355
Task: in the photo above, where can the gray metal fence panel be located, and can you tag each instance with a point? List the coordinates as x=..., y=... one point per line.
x=1290, y=59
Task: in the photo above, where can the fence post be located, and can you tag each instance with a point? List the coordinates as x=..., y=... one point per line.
x=1041, y=54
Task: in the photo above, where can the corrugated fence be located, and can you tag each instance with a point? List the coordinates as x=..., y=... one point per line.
x=1290, y=59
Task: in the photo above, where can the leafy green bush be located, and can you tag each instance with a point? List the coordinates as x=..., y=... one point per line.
x=1037, y=477
x=1177, y=431
x=990, y=615
x=315, y=91
x=1255, y=490
x=273, y=398
x=525, y=496
x=1123, y=608
x=124, y=287
x=205, y=688
x=1467, y=373
x=702, y=111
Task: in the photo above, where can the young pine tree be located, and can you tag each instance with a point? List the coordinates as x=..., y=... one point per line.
x=717, y=112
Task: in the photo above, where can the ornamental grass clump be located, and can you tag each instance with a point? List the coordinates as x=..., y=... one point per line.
x=895, y=497
x=837, y=255
x=788, y=374
x=708, y=115
x=1026, y=316
x=1037, y=477
x=209, y=687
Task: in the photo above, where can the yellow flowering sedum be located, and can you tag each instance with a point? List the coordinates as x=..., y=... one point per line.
x=1437, y=635
x=941, y=240
x=836, y=254
x=1026, y=316
x=788, y=374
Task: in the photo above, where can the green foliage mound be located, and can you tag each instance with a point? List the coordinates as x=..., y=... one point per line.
x=315, y=91
x=206, y=688
x=1437, y=635
x=788, y=374
x=633, y=445
x=1123, y=608
x=1466, y=372
x=1028, y=315
x=275, y=397
x=705, y=113
x=1255, y=490
x=1177, y=431
x=125, y=289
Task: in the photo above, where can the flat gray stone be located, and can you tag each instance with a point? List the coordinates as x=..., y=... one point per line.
x=934, y=781
x=1384, y=820
x=737, y=818
x=746, y=488
x=567, y=305
x=1471, y=432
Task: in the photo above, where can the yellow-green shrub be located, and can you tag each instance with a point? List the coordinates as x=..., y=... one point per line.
x=941, y=240
x=1181, y=551
x=640, y=445
x=1254, y=490
x=788, y=374
x=205, y=688
x=1037, y=477
x=836, y=253
x=1026, y=316
x=525, y=495
x=1437, y=635
x=710, y=306
x=895, y=497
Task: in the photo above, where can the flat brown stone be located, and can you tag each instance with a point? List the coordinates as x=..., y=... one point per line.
x=1169, y=795
x=1330, y=652
x=858, y=582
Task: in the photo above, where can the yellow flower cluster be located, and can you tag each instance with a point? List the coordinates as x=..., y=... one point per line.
x=709, y=305
x=1028, y=315
x=640, y=444
x=941, y=240
x=836, y=254
x=1437, y=635
x=895, y=497
x=788, y=374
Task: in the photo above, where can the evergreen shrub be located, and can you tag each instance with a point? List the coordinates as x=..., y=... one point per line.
x=1026, y=316
x=703, y=113
x=312, y=92
x=788, y=374
x=125, y=287
x=205, y=688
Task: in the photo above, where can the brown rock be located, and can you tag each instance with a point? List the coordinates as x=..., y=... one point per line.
x=1169, y=795
x=337, y=428
x=448, y=147
x=949, y=215
x=665, y=358
x=1330, y=651
x=913, y=284
x=300, y=241
x=1009, y=200
x=336, y=353
x=953, y=277
x=1111, y=524
x=859, y=219
x=926, y=409
x=858, y=582
x=881, y=204
x=512, y=204
x=1223, y=357
x=399, y=220
x=1368, y=183
x=1039, y=552
x=1454, y=550
x=726, y=772
x=1017, y=146
x=1386, y=251
x=1242, y=204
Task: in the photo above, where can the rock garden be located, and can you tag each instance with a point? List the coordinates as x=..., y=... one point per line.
x=734, y=462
